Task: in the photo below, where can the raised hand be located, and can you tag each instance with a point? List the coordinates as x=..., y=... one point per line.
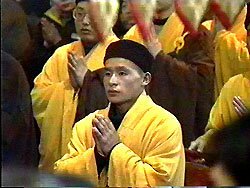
x=105, y=135
x=50, y=33
x=153, y=44
x=77, y=69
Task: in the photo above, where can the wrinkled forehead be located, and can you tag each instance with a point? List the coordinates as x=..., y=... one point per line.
x=119, y=63
x=82, y=6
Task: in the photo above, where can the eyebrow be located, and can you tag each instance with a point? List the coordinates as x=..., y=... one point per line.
x=117, y=68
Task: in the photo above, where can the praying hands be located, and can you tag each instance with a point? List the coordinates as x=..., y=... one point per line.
x=105, y=135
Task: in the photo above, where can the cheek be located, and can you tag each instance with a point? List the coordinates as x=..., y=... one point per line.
x=132, y=85
x=77, y=25
x=105, y=82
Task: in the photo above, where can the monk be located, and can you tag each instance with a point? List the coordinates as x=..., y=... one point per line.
x=231, y=52
x=165, y=19
x=55, y=29
x=56, y=88
x=232, y=103
x=133, y=142
x=232, y=58
x=19, y=131
x=15, y=37
x=19, y=138
x=231, y=161
x=199, y=68
x=183, y=71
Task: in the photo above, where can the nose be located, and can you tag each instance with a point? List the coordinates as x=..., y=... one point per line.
x=113, y=81
x=86, y=20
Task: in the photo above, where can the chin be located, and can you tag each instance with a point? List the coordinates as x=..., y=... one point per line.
x=88, y=39
x=114, y=100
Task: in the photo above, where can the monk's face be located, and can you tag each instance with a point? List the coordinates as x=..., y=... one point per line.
x=164, y=8
x=123, y=81
x=126, y=16
x=83, y=23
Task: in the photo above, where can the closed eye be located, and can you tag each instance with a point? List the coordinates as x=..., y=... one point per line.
x=107, y=73
x=122, y=73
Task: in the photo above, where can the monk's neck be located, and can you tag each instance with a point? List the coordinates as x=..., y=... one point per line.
x=122, y=108
x=88, y=46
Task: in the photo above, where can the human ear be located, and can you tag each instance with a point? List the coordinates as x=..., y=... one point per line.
x=146, y=78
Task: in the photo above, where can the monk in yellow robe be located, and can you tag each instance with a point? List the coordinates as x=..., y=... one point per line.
x=183, y=81
x=133, y=142
x=55, y=94
x=232, y=103
x=231, y=53
x=168, y=26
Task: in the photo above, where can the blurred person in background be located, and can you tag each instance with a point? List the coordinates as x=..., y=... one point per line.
x=236, y=59
x=231, y=51
x=231, y=154
x=192, y=71
x=232, y=103
x=20, y=136
x=57, y=87
x=124, y=20
x=58, y=23
x=53, y=29
x=23, y=177
x=35, y=8
x=15, y=37
x=182, y=75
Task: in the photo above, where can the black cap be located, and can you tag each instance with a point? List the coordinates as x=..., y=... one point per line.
x=133, y=51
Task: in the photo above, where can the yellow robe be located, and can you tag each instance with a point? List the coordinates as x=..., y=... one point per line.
x=223, y=112
x=54, y=102
x=170, y=37
x=150, y=153
x=231, y=53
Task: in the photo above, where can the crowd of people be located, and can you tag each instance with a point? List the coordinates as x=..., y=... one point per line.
x=122, y=111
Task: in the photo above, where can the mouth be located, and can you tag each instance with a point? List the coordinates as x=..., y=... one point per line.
x=85, y=31
x=113, y=92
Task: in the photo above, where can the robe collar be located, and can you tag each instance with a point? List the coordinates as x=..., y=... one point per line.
x=142, y=104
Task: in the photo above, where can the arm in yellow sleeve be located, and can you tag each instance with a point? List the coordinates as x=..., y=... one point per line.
x=80, y=159
x=54, y=108
x=231, y=58
x=223, y=111
x=161, y=164
x=52, y=85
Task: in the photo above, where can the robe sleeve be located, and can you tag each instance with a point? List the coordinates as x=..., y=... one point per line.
x=54, y=108
x=222, y=112
x=231, y=57
x=80, y=159
x=158, y=167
